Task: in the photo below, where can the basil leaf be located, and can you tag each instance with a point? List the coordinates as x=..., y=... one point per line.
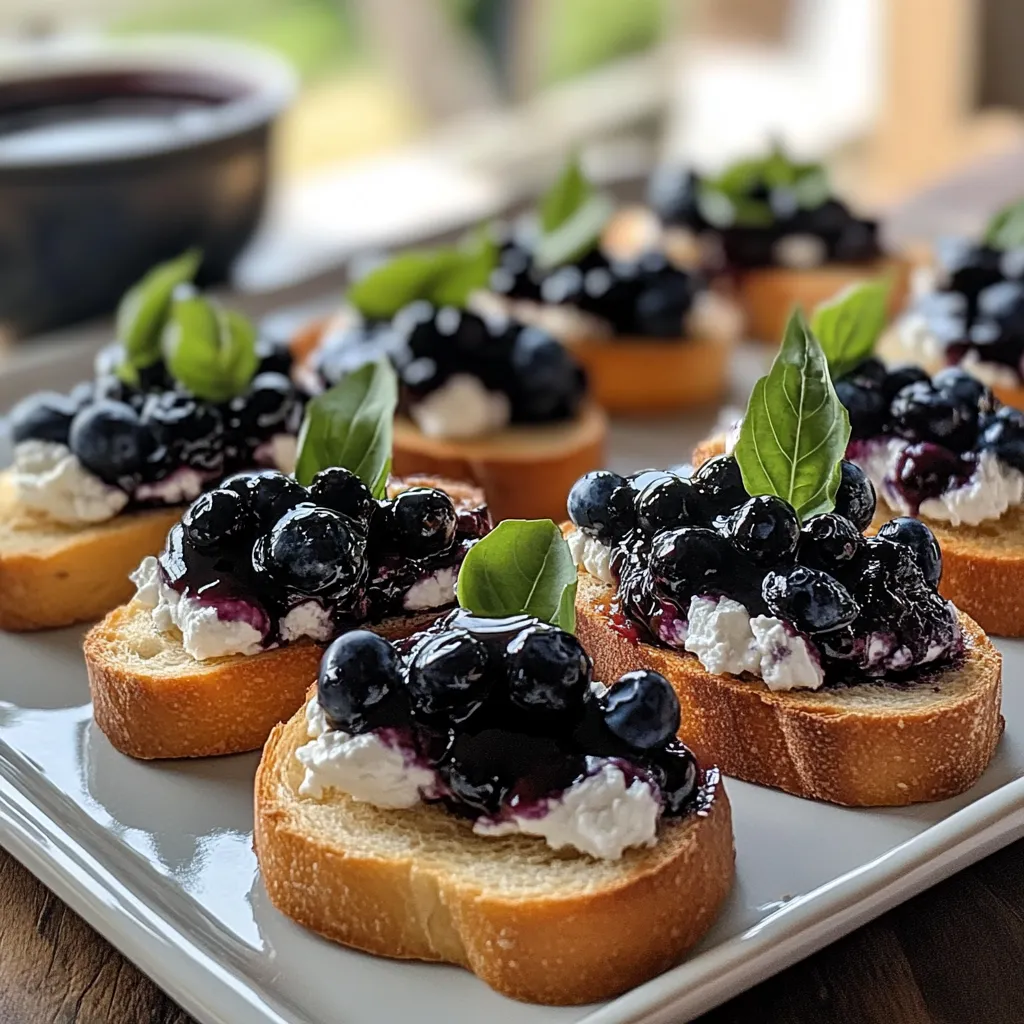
x=1006, y=229
x=523, y=566
x=443, y=277
x=565, y=198
x=576, y=236
x=849, y=325
x=351, y=425
x=143, y=312
x=795, y=430
x=209, y=350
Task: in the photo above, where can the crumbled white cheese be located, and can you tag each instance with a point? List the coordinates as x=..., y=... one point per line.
x=799, y=251
x=593, y=555
x=718, y=632
x=788, y=662
x=433, y=591
x=461, y=407
x=602, y=815
x=49, y=478
x=713, y=316
x=307, y=619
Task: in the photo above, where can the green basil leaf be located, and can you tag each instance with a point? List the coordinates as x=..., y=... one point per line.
x=1006, y=229
x=478, y=256
x=795, y=430
x=143, y=312
x=351, y=425
x=565, y=198
x=523, y=566
x=849, y=325
x=576, y=236
x=209, y=350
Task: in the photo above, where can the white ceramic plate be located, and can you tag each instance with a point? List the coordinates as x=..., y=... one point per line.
x=158, y=857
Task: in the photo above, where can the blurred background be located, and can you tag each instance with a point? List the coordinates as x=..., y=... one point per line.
x=396, y=119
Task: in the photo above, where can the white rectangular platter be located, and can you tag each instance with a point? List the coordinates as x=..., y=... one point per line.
x=158, y=857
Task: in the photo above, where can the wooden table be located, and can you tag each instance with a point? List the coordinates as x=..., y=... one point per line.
x=952, y=955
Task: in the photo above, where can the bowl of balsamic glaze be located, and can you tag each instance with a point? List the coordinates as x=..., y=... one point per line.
x=116, y=156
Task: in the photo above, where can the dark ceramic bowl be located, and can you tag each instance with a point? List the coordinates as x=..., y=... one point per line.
x=115, y=157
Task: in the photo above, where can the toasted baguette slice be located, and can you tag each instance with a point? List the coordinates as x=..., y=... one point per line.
x=863, y=745
x=526, y=471
x=534, y=924
x=768, y=295
x=154, y=700
x=54, y=574
x=982, y=566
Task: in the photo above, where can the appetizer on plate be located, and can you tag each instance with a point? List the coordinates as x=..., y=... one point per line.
x=471, y=795
x=651, y=335
x=483, y=396
x=184, y=398
x=805, y=656
x=229, y=621
x=967, y=310
x=775, y=227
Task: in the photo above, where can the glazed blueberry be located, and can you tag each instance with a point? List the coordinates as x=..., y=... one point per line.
x=423, y=522
x=111, y=441
x=643, y=478
x=217, y=517
x=340, y=489
x=448, y=676
x=360, y=682
x=678, y=776
x=692, y=560
x=765, y=529
x=548, y=385
x=275, y=354
x=602, y=505
x=920, y=412
x=1003, y=435
x=45, y=416
x=548, y=670
x=270, y=494
x=720, y=482
x=813, y=601
x=667, y=502
x=965, y=389
x=926, y=471
x=314, y=551
x=903, y=376
x=188, y=430
x=828, y=541
x=270, y=406
x=867, y=407
x=921, y=541
x=666, y=296
x=855, y=499
x=642, y=710
x=869, y=373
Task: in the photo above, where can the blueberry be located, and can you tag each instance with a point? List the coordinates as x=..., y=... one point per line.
x=314, y=550
x=811, y=600
x=45, y=416
x=340, y=489
x=217, y=517
x=855, y=499
x=719, y=481
x=765, y=529
x=828, y=541
x=189, y=430
x=546, y=383
x=921, y=541
x=668, y=502
x=422, y=522
x=111, y=441
x=269, y=494
x=866, y=407
x=448, y=676
x=692, y=560
x=922, y=413
x=665, y=298
x=965, y=389
x=548, y=670
x=1003, y=435
x=602, y=504
x=642, y=710
x=903, y=376
x=678, y=776
x=869, y=373
x=275, y=354
x=360, y=682
x=925, y=471
x=270, y=406
x=643, y=478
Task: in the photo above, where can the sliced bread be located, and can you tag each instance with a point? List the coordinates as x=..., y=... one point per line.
x=533, y=923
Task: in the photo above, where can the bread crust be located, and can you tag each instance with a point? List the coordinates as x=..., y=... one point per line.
x=54, y=574
x=861, y=745
x=769, y=294
x=567, y=946
x=153, y=701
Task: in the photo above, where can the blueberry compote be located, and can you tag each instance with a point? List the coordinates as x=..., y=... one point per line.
x=975, y=313
x=156, y=441
x=531, y=373
x=868, y=606
x=505, y=713
x=646, y=296
x=928, y=436
x=758, y=227
x=262, y=545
